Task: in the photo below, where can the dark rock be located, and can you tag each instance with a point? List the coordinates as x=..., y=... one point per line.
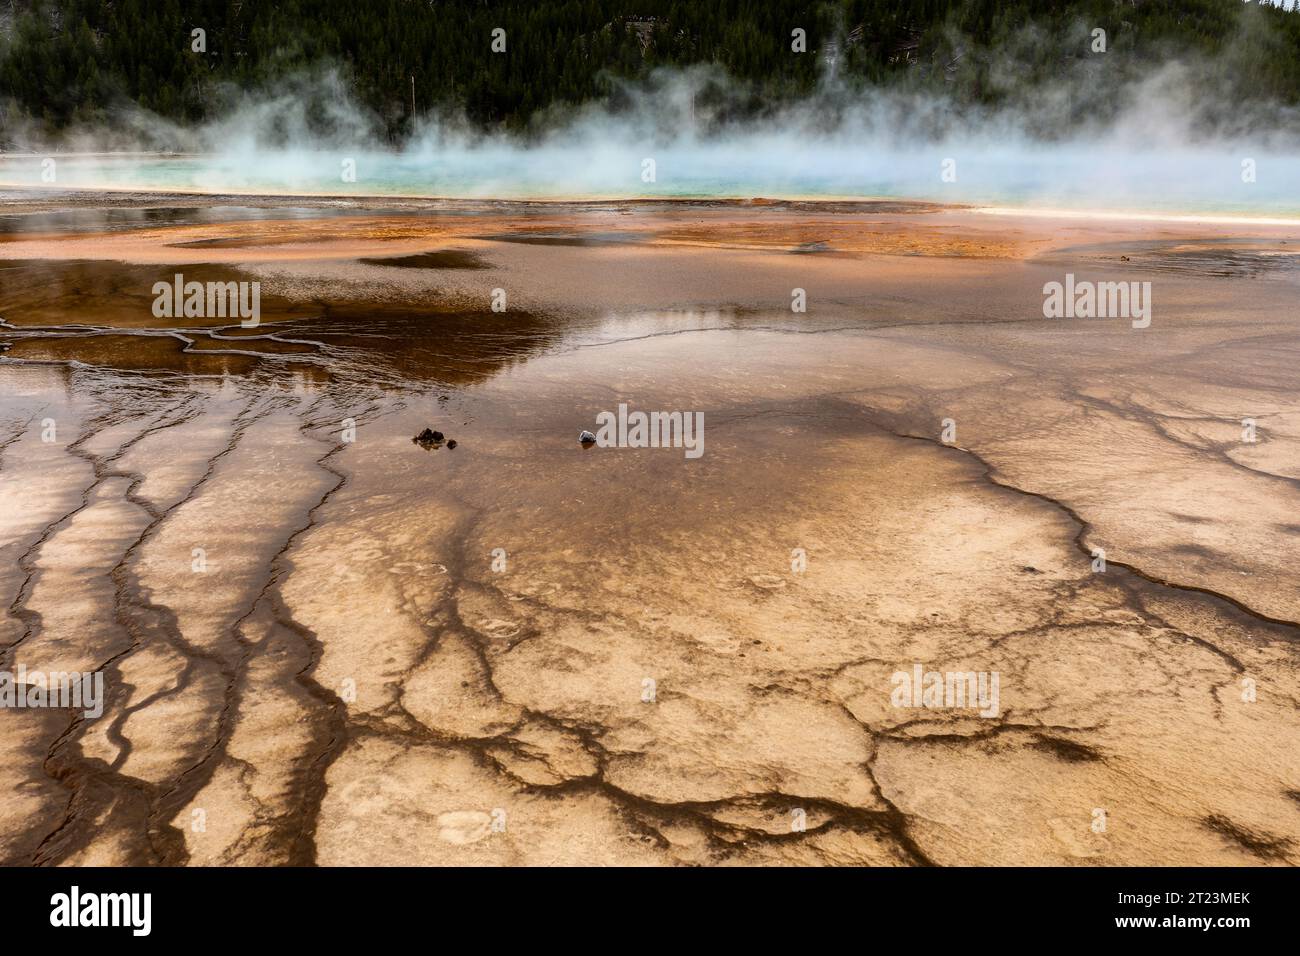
x=587, y=438
x=428, y=439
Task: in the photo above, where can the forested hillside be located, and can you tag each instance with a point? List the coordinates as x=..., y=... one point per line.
x=69, y=62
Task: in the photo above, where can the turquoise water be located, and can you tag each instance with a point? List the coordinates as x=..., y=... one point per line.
x=1182, y=181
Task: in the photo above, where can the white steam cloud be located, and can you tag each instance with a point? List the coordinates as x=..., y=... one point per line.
x=1091, y=140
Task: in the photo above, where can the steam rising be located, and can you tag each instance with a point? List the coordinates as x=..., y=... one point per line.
x=1099, y=138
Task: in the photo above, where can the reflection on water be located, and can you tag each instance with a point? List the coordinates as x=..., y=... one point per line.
x=98, y=314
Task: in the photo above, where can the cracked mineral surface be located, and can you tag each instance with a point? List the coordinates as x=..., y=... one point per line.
x=324, y=643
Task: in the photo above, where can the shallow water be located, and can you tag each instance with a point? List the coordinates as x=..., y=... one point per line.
x=390, y=650
x=1172, y=181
